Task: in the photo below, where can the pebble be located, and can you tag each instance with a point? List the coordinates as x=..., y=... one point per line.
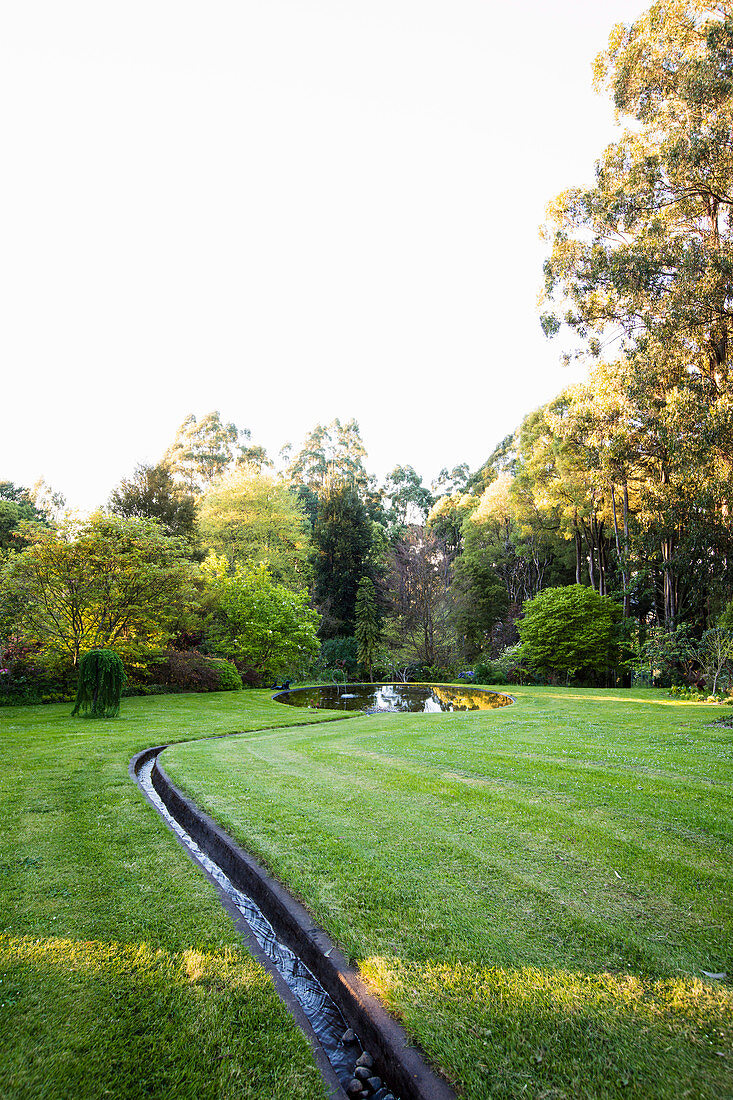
x=361, y=1073
x=348, y=1036
x=365, y=1059
x=375, y=1083
x=354, y=1088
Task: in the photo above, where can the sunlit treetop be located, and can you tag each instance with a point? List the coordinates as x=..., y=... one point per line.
x=647, y=250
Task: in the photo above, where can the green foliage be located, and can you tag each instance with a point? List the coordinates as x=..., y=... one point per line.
x=406, y=498
x=570, y=632
x=484, y=673
x=110, y=582
x=342, y=539
x=189, y=670
x=368, y=630
x=229, y=677
x=510, y=666
x=669, y=657
x=716, y=658
x=17, y=507
x=203, y=449
x=101, y=679
x=338, y=654
x=25, y=681
x=331, y=454
x=647, y=251
x=153, y=493
x=257, y=621
x=251, y=517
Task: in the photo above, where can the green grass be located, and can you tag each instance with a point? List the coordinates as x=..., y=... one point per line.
x=120, y=974
x=536, y=891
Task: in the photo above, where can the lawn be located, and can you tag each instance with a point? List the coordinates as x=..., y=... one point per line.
x=120, y=974
x=537, y=892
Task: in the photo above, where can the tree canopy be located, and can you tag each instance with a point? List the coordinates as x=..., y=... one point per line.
x=109, y=583
x=252, y=517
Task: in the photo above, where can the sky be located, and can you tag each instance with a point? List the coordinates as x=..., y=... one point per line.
x=285, y=210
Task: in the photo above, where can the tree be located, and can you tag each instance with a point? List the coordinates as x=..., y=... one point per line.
x=203, y=449
x=111, y=583
x=716, y=656
x=368, y=630
x=418, y=589
x=570, y=632
x=252, y=517
x=17, y=506
x=342, y=540
x=407, y=500
x=257, y=621
x=101, y=678
x=153, y=493
x=648, y=250
x=332, y=453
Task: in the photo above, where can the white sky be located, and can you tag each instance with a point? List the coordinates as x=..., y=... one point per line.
x=287, y=210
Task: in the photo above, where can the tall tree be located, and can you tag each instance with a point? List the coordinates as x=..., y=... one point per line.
x=407, y=501
x=342, y=538
x=203, y=449
x=418, y=585
x=254, y=518
x=647, y=251
x=17, y=507
x=255, y=620
x=332, y=453
x=153, y=493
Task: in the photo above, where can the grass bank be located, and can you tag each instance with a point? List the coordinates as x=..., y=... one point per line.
x=120, y=974
x=537, y=892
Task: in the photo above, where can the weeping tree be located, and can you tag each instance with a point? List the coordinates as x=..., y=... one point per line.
x=101, y=677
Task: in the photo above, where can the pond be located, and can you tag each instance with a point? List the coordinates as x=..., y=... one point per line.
x=389, y=698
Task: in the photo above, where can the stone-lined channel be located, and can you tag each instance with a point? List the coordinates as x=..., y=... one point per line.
x=343, y=1020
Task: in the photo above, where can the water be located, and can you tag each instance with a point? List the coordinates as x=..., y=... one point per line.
x=399, y=698
x=323, y=1014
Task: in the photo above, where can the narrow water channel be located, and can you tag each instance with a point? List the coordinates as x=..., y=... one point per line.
x=340, y=1045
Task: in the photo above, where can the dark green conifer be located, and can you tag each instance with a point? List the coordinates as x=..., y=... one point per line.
x=367, y=625
x=101, y=678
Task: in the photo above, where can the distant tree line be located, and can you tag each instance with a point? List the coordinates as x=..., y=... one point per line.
x=608, y=508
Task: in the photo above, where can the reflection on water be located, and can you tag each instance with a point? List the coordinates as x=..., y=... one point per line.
x=407, y=698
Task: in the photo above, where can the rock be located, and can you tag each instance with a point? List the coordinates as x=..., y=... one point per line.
x=354, y=1088
x=348, y=1037
x=365, y=1059
x=362, y=1073
x=375, y=1083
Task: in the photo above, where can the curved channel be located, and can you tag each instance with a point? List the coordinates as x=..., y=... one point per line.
x=349, y=1029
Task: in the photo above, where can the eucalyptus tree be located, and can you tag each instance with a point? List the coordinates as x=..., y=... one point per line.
x=647, y=251
x=203, y=449
x=331, y=453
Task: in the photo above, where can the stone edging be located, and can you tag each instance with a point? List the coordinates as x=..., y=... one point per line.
x=398, y=1061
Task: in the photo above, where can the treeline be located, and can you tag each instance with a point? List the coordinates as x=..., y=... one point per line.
x=620, y=487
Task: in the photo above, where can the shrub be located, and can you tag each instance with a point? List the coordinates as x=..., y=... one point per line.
x=193, y=671
x=229, y=678
x=26, y=681
x=484, y=673
x=570, y=633
x=509, y=666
